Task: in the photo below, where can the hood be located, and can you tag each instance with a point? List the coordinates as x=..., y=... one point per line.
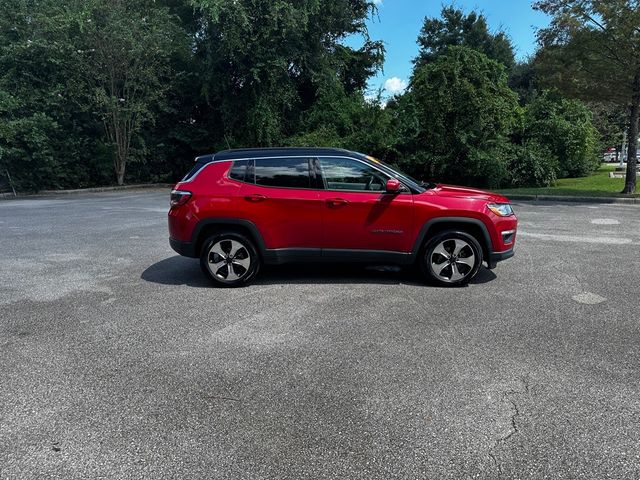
x=467, y=192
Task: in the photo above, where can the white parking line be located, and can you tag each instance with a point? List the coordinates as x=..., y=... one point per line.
x=605, y=221
x=588, y=298
x=578, y=239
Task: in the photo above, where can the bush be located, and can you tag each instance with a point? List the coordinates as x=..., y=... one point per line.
x=565, y=128
x=532, y=165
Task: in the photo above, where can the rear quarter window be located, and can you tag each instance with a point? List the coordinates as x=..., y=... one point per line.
x=196, y=168
x=239, y=170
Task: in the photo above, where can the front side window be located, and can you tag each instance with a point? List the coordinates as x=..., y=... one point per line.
x=348, y=174
x=282, y=172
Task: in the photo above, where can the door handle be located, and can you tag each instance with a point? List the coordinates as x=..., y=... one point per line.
x=336, y=202
x=255, y=198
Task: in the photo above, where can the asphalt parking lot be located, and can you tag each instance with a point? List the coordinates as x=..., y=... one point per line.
x=118, y=360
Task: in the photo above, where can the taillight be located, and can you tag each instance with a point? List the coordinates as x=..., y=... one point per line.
x=179, y=198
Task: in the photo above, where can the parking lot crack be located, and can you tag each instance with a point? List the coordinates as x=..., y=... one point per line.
x=507, y=398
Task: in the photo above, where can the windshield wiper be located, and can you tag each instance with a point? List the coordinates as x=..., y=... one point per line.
x=427, y=185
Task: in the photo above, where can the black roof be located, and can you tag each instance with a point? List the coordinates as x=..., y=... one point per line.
x=249, y=153
x=270, y=152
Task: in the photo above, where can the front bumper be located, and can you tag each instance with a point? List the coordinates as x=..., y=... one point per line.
x=495, y=257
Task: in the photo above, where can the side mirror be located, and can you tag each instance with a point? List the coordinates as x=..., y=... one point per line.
x=393, y=185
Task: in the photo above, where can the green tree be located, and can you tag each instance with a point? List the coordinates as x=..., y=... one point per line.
x=48, y=136
x=610, y=120
x=592, y=50
x=457, y=117
x=522, y=79
x=455, y=28
x=78, y=82
x=556, y=139
x=128, y=51
x=347, y=121
x=265, y=63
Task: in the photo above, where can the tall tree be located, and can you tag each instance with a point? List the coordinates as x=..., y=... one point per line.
x=48, y=136
x=455, y=28
x=592, y=50
x=457, y=116
x=128, y=48
x=265, y=62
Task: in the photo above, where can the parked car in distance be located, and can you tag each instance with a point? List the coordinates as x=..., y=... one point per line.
x=239, y=209
x=610, y=155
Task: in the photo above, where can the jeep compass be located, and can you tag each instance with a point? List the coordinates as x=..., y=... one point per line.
x=239, y=209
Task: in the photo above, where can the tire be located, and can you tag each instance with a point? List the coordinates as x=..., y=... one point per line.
x=229, y=254
x=451, y=259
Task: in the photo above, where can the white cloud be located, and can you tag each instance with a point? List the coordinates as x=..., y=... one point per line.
x=377, y=2
x=395, y=85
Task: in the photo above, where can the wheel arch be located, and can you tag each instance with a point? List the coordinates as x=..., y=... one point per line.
x=205, y=228
x=472, y=226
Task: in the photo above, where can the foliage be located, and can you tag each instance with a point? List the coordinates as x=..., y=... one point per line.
x=590, y=50
x=266, y=63
x=610, y=120
x=564, y=128
x=47, y=138
x=91, y=87
x=532, y=165
x=463, y=111
x=350, y=122
x=523, y=80
x=127, y=53
x=454, y=28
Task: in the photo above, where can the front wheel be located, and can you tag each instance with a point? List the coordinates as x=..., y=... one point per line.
x=451, y=259
x=229, y=259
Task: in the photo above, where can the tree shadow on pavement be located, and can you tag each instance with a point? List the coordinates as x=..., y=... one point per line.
x=179, y=270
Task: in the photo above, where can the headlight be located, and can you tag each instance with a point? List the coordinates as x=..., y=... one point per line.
x=501, y=209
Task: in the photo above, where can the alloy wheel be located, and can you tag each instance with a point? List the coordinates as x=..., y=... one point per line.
x=228, y=260
x=452, y=260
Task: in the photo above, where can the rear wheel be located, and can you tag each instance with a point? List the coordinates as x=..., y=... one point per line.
x=229, y=259
x=451, y=258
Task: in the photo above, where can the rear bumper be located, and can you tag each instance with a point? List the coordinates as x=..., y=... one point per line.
x=186, y=249
x=495, y=257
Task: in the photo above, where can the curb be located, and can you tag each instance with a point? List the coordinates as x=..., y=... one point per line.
x=559, y=198
x=105, y=189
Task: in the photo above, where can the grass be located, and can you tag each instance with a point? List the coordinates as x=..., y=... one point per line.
x=597, y=184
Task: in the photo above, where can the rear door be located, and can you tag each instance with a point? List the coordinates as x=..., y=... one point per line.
x=358, y=214
x=281, y=198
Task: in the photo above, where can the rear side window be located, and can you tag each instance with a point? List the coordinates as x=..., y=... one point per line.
x=283, y=172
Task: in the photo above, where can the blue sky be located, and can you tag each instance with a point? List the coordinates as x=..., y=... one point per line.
x=398, y=24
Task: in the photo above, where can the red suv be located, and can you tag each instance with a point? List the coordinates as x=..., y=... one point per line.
x=238, y=209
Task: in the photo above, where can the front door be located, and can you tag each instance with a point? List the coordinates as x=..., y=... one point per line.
x=358, y=213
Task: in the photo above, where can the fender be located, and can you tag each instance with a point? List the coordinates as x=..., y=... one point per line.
x=434, y=221
x=188, y=249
